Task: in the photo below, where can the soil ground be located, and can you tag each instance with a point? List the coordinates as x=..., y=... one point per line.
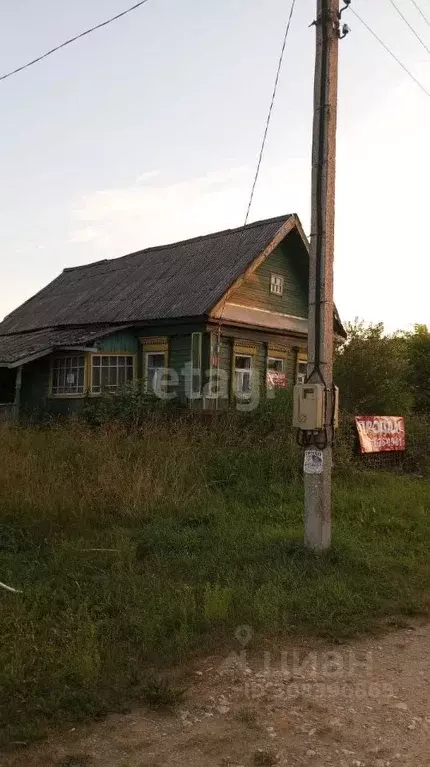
x=364, y=704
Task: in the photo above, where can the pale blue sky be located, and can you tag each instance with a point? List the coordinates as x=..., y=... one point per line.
x=148, y=130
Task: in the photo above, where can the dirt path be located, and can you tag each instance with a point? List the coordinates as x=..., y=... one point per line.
x=360, y=705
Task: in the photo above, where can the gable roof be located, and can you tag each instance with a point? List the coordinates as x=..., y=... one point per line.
x=180, y=280
x=183, y=279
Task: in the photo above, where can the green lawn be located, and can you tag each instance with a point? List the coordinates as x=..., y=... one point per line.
x=201, y=533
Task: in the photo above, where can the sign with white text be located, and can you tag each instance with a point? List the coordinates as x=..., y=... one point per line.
x=276, y=380
x=380, y=433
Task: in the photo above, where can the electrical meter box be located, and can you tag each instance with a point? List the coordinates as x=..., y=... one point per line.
x=309, y=406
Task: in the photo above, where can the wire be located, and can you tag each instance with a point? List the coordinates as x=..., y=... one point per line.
x=421, y=12
x=73, y=39
x=269, y=114
x=257, y=171
x=397, y=9
x=266, y=127
x=393, y=55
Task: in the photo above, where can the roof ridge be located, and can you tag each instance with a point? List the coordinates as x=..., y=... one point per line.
x=154, y=248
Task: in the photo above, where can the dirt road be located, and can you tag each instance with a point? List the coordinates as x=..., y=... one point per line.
x=361, y=705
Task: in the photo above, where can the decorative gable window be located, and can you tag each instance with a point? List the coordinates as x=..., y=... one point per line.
x=68, y=375
x=111, y=371
x=276, y=284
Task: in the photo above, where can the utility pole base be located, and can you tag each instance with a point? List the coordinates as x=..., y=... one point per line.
x=318, y=506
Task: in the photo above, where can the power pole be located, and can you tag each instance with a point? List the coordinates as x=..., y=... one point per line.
x=320, y=331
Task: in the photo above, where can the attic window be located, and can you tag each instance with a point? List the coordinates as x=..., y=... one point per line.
x=276, y=284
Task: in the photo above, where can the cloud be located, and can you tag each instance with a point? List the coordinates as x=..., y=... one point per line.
x=147, y=176
x=121, y=219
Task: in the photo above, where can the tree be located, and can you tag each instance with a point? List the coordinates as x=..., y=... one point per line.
x=418, y=344
x=372, y=371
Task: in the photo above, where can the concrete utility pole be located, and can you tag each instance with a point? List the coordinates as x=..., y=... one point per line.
x=320, y=333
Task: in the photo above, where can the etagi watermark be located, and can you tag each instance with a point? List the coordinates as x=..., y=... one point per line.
x=214, y=384
x=339, y=674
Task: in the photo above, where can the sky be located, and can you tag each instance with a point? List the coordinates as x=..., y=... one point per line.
x=148, y=131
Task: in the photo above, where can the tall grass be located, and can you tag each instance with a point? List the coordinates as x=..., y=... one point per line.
x=134, y=547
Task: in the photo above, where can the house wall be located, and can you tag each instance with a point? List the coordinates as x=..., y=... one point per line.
x=36, y=398
x=35, y=387
x=287, y=261
x=259, y=343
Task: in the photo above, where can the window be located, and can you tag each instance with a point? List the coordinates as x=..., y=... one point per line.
x=276, y=364
x=68, y=375
x=276, y=284
x=111, y=371
x=196, y=364
x=302, y=367
x=155, y=368
x=275, y=375
x=243, y=375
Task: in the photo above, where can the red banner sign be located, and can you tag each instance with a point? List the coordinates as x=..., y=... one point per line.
x=276, y=380
x=380, y=433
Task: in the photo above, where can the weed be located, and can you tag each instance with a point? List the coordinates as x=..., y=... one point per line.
x=133, y=549
x=159, y=693
x=265, y=758
x=247, y=715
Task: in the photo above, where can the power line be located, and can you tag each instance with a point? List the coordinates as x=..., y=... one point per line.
x=260, y=157
x=421, y=12
x=393, y=55
x=414, y=32
x=73, y=39
x=269, y=114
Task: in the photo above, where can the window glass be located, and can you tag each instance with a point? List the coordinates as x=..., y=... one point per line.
x=68, y=375
x=276, y=284
x=275, y=363
x=155, y=368
x=302, y=367
x=109, y=372
x=243, y=375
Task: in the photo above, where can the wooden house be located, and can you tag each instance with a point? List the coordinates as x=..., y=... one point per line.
x=210, y=321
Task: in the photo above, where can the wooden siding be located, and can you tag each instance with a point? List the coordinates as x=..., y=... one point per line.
x=126, y=341
x=35, y=397
x=255, y=290
x=179, y=356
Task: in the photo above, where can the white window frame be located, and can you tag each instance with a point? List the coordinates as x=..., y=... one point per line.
x=277, y=284
x=276, y=359
x=196, y=370
x=300, y=376
x=78, y=391
x=239, y=393
x=111, y=387
x=152, y=353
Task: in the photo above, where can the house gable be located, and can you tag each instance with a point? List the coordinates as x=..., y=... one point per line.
x=287, y=263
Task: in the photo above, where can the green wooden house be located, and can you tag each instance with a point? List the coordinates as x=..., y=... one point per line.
x=211, y=321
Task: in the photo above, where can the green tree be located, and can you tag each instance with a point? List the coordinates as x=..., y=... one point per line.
x=372, y=371
x=418, y=344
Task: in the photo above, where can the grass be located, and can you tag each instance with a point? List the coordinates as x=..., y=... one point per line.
x=134, y=549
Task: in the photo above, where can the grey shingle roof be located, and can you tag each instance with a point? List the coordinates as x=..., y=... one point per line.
x=21, y=346
x=183, y=279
